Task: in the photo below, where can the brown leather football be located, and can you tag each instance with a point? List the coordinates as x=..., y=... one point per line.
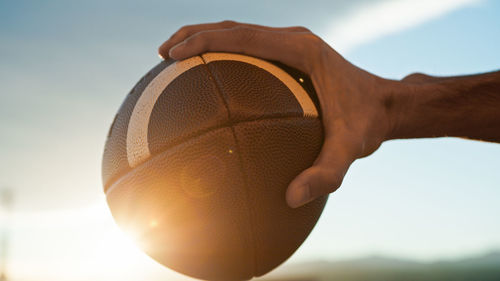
x=198, y=160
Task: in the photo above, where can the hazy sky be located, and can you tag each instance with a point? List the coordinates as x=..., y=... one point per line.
x=65, y=67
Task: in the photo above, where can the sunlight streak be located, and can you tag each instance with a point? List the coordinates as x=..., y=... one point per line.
x=379, y=19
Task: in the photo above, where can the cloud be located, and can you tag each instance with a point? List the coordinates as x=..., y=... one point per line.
x=378, y=19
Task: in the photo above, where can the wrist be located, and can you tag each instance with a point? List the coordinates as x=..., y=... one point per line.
x=401, y=100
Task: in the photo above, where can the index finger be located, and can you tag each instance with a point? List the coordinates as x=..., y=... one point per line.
x=188, y=30
x=295, y=49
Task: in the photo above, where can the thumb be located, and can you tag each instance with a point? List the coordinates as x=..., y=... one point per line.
x=324, y=177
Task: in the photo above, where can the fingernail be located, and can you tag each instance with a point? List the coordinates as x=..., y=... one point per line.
x=299, y=196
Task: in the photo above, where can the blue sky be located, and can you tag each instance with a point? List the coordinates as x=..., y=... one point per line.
x=66, y=66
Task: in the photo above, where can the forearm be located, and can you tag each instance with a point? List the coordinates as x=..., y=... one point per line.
x=466, y=106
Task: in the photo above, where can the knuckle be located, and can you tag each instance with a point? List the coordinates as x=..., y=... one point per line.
x=333, y=184
x=331, y=188
x=415, y=77
x=228, y=23
x=314, y=48
x=313, y=40
x=330, y=178
x=302, y=29
x=183, y=31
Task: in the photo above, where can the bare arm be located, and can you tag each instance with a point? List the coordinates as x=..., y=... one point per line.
x=462, y=106
x=359, y=110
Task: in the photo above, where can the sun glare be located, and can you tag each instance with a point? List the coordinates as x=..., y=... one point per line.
x=153, y=223
x=88, y=245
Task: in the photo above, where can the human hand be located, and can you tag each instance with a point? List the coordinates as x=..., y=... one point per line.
x=356, y=105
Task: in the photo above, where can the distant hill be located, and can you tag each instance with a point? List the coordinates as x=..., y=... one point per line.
x=375, y=268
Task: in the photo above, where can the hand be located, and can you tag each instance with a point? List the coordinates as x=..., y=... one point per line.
x=356, y=105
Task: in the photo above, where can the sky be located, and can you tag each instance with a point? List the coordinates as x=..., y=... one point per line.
x=65, y=67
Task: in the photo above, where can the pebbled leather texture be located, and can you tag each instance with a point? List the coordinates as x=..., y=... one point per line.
x=255, y=96
x=187, y=208
x=114, y=160
x=226, y=138
x=273, y=152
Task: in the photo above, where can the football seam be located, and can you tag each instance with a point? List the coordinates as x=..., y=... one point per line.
x=250, y=214
x=195, y=135
x=115, y=173
x=114, y=182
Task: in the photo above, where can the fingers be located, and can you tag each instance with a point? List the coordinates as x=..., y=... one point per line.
x=324, y=177
x=294, y=49
x=189, y=30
